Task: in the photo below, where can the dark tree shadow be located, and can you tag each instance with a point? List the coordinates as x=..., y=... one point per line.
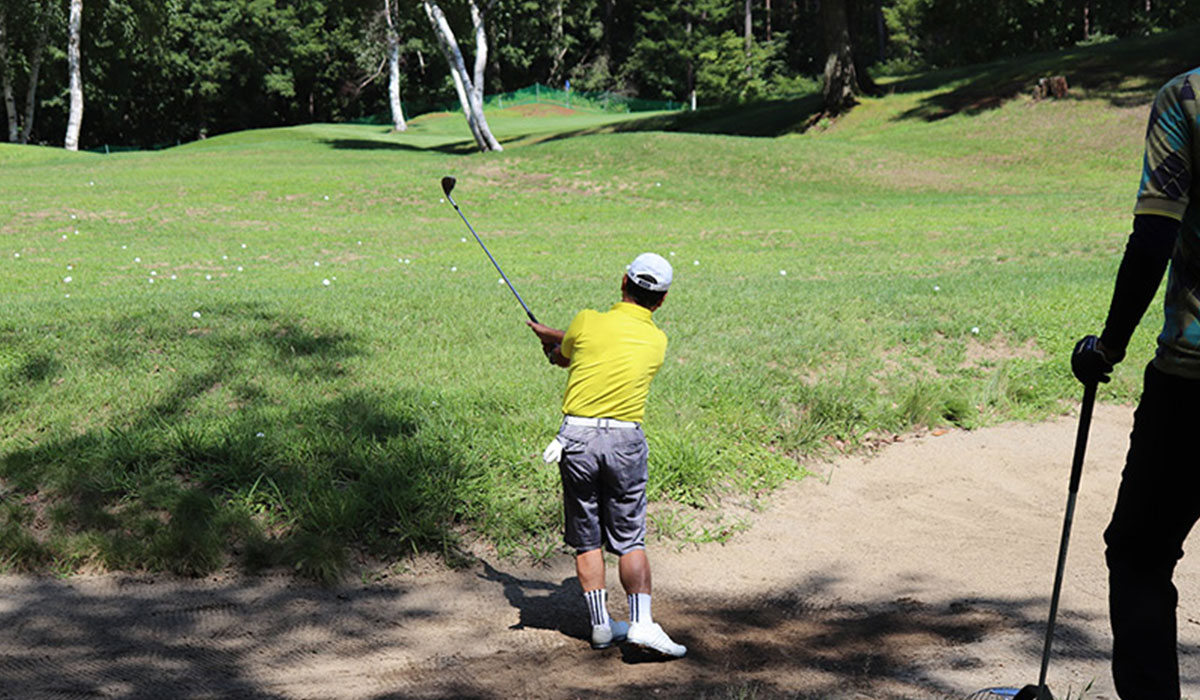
x=801, y=642
x=269, y=483
x=461, y=147
x=804, y=631
x=138, y=638
x=1125, y=73
x=136, y=644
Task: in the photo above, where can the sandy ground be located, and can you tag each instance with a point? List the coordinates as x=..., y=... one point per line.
x=923, y=571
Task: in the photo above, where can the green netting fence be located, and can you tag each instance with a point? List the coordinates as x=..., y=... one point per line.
x=577, y=100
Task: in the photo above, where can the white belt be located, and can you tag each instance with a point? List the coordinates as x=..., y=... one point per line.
x=599, y=422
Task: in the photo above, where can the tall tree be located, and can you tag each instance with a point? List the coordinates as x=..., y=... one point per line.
x=748, y=25
x=6, y=76
x=75, y=117
x=469, y=87
x=43, y=15
x=393, y=61
x=841, y=83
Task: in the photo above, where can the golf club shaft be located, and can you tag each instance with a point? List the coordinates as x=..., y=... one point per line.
x=1081, y=436
x=494, y=263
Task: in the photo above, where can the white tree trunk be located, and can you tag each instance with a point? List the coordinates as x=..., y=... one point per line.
x=75, y=117
x=393, y=49
x=558, y=44
x=454, y=57
x=481, y=51
x=35, y=68
x=10, y=105
x=469, y=96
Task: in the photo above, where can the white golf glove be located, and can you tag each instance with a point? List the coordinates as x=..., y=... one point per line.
x=553, y=451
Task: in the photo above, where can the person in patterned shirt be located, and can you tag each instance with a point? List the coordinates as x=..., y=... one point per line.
x=1159, y=498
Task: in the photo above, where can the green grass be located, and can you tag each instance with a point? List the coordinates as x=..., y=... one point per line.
x=196, y=395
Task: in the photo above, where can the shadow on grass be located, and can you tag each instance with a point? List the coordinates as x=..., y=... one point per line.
x=252, y=447
x=1125, y=73
x=450, y=148
x=260, y=638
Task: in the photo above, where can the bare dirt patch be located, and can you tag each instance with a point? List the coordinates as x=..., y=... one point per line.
x=923, y=571
x=998, y=350
x=539, y=110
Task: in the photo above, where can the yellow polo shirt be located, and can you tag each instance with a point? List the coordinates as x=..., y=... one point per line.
x=614, y=355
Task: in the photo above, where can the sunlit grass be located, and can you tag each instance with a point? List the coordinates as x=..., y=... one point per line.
x=282, y=348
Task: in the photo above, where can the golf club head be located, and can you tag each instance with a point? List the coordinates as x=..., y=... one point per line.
x=1033, y=692
x=447, y=184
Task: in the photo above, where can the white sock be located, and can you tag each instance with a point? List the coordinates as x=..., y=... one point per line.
x=639, y=608
x=597, y=602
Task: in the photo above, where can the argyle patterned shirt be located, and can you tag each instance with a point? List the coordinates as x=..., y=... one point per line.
x=1170, y=187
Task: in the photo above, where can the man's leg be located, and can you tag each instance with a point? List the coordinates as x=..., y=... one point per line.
x=643, y=631
x=581, y=511
x=589, y=566
x=1157, y=505
x=635, y=572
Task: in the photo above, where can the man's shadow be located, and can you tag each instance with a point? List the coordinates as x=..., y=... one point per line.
x=543, y=605
x=559, y=607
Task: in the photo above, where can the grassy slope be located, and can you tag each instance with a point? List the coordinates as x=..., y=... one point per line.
x=873, y=275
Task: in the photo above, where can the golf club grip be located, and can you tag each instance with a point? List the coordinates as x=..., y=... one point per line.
x=1081, y=434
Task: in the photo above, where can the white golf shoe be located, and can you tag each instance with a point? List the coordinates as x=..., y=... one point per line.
x=649, y=635
x=604, y=636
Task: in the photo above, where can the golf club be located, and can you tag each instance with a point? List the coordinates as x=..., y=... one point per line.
x=1041, y=691
x=447, y=185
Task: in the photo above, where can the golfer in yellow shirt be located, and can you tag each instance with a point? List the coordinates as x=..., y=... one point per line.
x=601, y=449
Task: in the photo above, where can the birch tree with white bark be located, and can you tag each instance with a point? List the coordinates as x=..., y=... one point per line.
x=75, y=116
x=468, y=86
x=43, y=16
x=393, y=61
x=24, y=37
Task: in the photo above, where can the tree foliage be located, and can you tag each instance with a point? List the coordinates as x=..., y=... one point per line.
x=939, y=33
x=156, y=72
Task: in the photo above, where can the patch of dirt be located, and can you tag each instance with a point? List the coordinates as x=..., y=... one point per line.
x=539, y=110
x=997, y=350
x=923, y=571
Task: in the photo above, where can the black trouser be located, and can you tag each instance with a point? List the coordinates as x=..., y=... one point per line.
x=1157, y=505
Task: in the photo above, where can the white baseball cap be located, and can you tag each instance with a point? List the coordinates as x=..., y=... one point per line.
x=650, y=271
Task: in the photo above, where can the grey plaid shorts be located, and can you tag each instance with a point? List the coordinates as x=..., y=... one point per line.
x=604, y=472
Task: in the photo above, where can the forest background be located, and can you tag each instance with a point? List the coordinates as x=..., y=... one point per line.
x=157, y=73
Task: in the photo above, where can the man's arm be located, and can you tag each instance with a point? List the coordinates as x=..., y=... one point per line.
x=551, y=343
x=1146, y=256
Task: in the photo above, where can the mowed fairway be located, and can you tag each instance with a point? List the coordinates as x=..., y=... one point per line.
x=283, y=347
